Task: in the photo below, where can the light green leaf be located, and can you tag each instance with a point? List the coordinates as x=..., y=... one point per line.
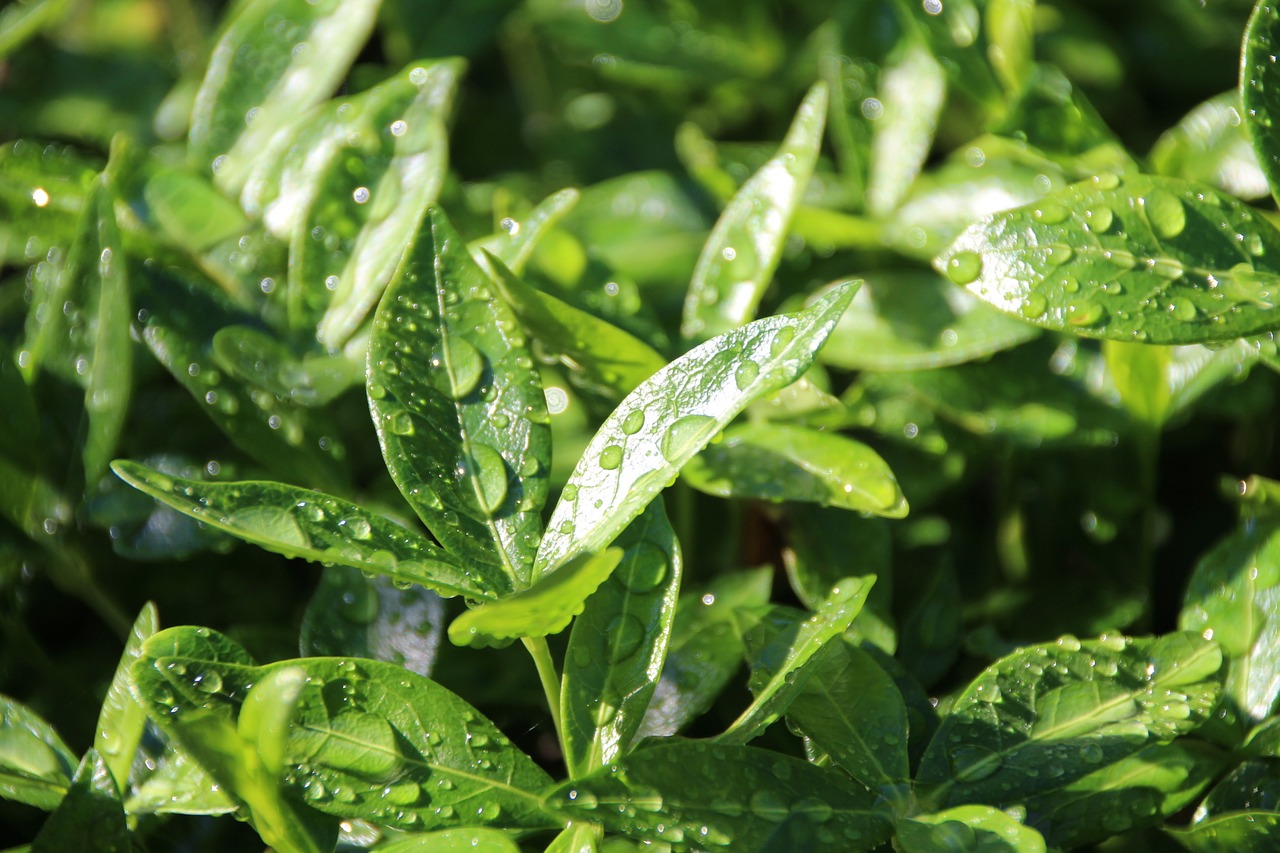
x=1140, y=376
x=90, y=816
x=851, y=709
x=1211, y=144
x=912, y=88
x=399, y=750
x=1240, y=814
x=461, y=840
x=910, y=321
x=953, y=31
x=723, y=796
x=1036, y=721
x=546, y=607
x=705, y=650
x=35, y=765
x=518, y=239
x=1011, y=31
x=262, y=360
x=178, y=785
x=641, y=446
x=1141, y=259
x=274, y=60
x=20, y=22
x=318, y=527
x=122, y=719
x=779, y=673
x=1234, y=596
x=792, y=463
x=967, y=828
x=1260, y=88
x=742, y=251
x=607, y=357
x=459, y=407
x=618, y=645
x=190, y=211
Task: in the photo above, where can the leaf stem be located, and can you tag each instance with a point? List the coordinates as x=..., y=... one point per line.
x=541, y=654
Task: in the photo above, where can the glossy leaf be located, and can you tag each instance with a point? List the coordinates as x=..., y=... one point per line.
x=353, y=615
x=1211, y=144
x=1260, y=87
x=905, y=115
x=459, y=407
x=1240, y=813
x=1234, y=596
x=122, y=720
x=1139, y=373
x=704, y=652
x=953, y=32
x=519, y=238
x=460, y=840
x=778, y=673
x=260, y=359
x=607, y=357
x=36, y=767
x=399, y=749
x=546, y=607
x=779, y=463
x=967, y=828
x=742, y=251
x=274, y=60
x=178, y=785
x=1146, y=259
x=722, y=797
x=640, y=448
x=850, y=708
x=90, y=816
x=1239, y=832
x=191, y=211
x=619, y=643
x=912, y=321
x=318, y=527
x=1046, y=716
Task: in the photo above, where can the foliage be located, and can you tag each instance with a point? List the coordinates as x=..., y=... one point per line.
x=709, y=426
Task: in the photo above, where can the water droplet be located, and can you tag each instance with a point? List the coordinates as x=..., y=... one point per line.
x=1058, y=254
x=687, y=435
x=632, y=423
x=1099, y=219
x=1166, y=214
x=1183, y=309
x=647, y=567
x=1049, y=213
x=1170, y=268
x=973, y=763
x=1120, y=258
x=357, y=527
x=781, y=341
x=1106, y=181
x=1087, y=314
x=964, y=267
x=403, y=793
x=611, y=457
x=399, y=422
x=626, y=633
x=768, y=805
x=461, y=364
x=209, y=682
x=745, y=374
x=1033, y=307
x=583, y=799
x=490, y=473
x=570, y=492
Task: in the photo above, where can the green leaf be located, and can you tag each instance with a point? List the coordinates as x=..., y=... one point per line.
x=351, y=615
x=779, y=463
x=42, y=193
x=1010, y=26
x=35, y=765
x=1036, y=721
x=122, y=720
x=1238, y=832
x=318, y=527
x=1211, y=145
x=545, y=608
x=178, y=785
x=618, y=645
x=967, y=828
x=742, y=251
x=607, y=357
x=274, y=60
x=953, y=32
x=1139, y=373
x=1145, y=259
x=722, y=796
x=190, y=211
x=778, y=673
x=261, y=360
x=912, y=89
x=1233, y=596
x=705, y=650
x=20, y=22
x=397, y=749
x=518, y=240
x=1241, y=812
x=910, y=321
x=459, y=406
x=460, y=840
x=641, y=446
x=851, y=708
x=90, y=816
x=1259, y=85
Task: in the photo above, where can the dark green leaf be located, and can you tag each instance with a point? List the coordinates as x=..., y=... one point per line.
x=1040, y=719
x=461, y=840
x=122, y=719
x=1241, y=813
x=459, y=406
x=722, y=796
x=35, y=765
x=1238, y=832
x=90, y=816
x=967, y=828
x=318, y=527
x=1260, y=87
x=260, y=359
x=619, y=643
x=640, y=448
x=780, y=463
x=743, y=249
x=953, y=32
x=1145, y=259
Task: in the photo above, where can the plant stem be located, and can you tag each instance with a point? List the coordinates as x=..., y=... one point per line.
x=541, y=654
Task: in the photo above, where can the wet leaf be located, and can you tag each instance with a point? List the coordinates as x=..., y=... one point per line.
x=466, y=839
x=519, y=238
x=912, y=88
x=90, y=816
x=1233, y=596
x=274, y=60
x=640, y=448
x=260, y=359
x=122, y=719
x=1211, y=145
x=953, y=31
x=1145, y=259
x=318, y=527
x=967, y=828
x=742, y=251
x=36, y=767
x=619, y=644
x=395, y=749
x=780, y=463
x=1259, y=82
x=178, y=785
x=722, y=797
x=459, y=407
x=1240, y=813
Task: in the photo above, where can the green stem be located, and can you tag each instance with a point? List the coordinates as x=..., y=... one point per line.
x=541, y=654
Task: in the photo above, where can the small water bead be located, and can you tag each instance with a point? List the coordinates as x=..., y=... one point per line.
x=611, y=457
x=1106, y=181
x=361, y=195
x=1049, y=213
x=964, y=267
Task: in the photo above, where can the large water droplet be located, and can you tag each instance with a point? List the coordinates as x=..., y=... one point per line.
x=399, y=422
x=1086, y=314
x=632, y=423
x=745, y=374
x=964, y=267
x=1049, y=213
x=646, y=568
x=1165, y=213
x=686, y=435
x=463, y=365
x=769, y=805
x=611, y=457
x=626, y=633
x=1099, y=219
x=1058, y=254
x=490, y=473
x=1033, y=307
